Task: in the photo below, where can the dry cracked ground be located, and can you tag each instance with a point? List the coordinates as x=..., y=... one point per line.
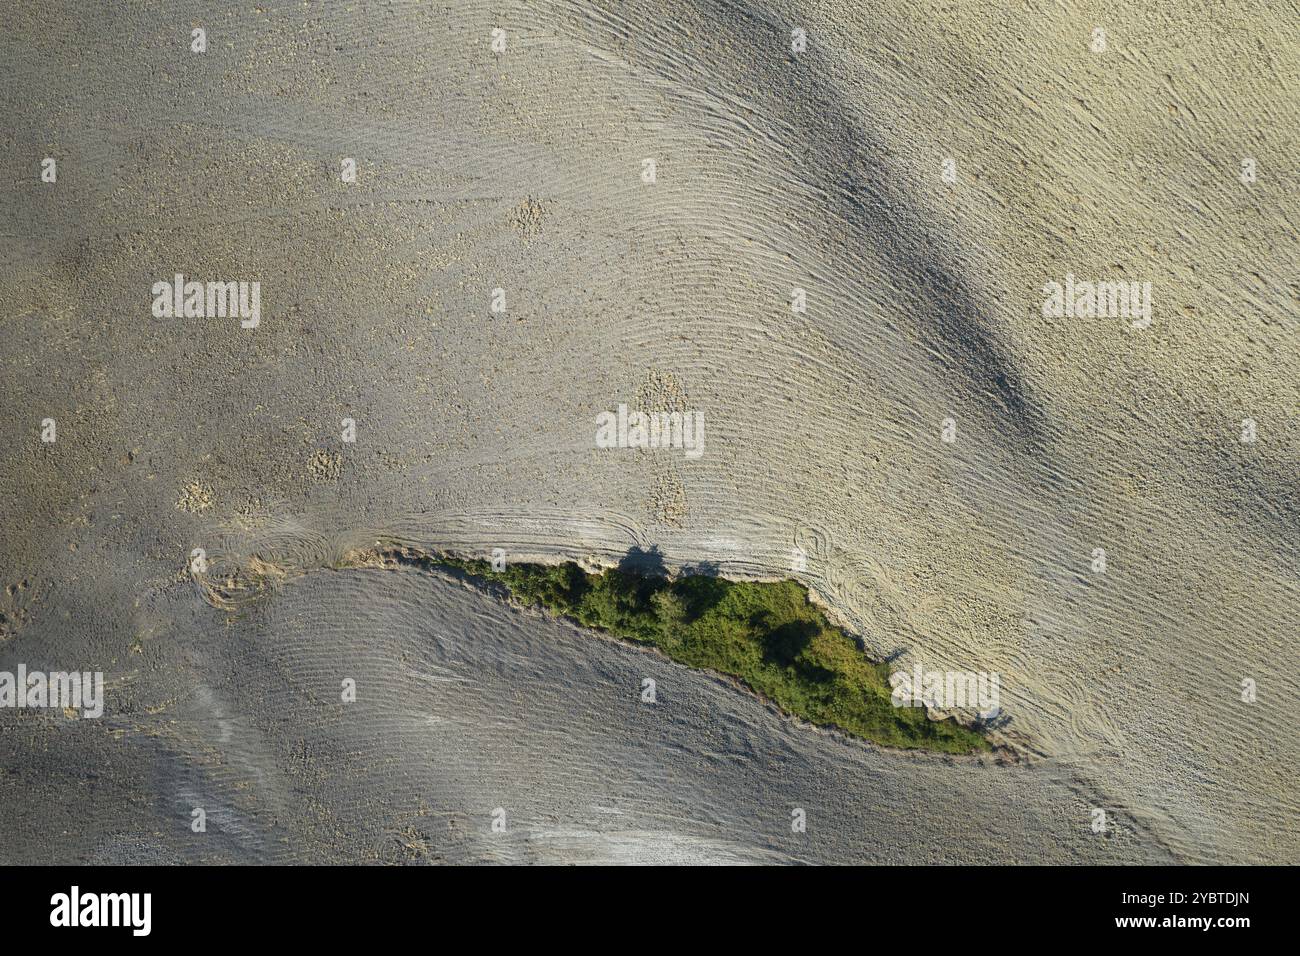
x=919, y=169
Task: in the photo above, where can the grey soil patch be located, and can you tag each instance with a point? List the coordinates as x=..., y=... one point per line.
x=528, y=218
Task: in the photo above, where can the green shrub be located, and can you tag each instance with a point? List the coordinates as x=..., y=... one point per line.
x=768, y=635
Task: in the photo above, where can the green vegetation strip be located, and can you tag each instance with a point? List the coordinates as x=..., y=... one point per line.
x=768, y=635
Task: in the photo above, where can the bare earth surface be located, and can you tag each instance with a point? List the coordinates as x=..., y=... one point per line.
x=522, y=171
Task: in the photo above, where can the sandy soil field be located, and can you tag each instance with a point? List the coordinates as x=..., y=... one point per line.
x=518, y=175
